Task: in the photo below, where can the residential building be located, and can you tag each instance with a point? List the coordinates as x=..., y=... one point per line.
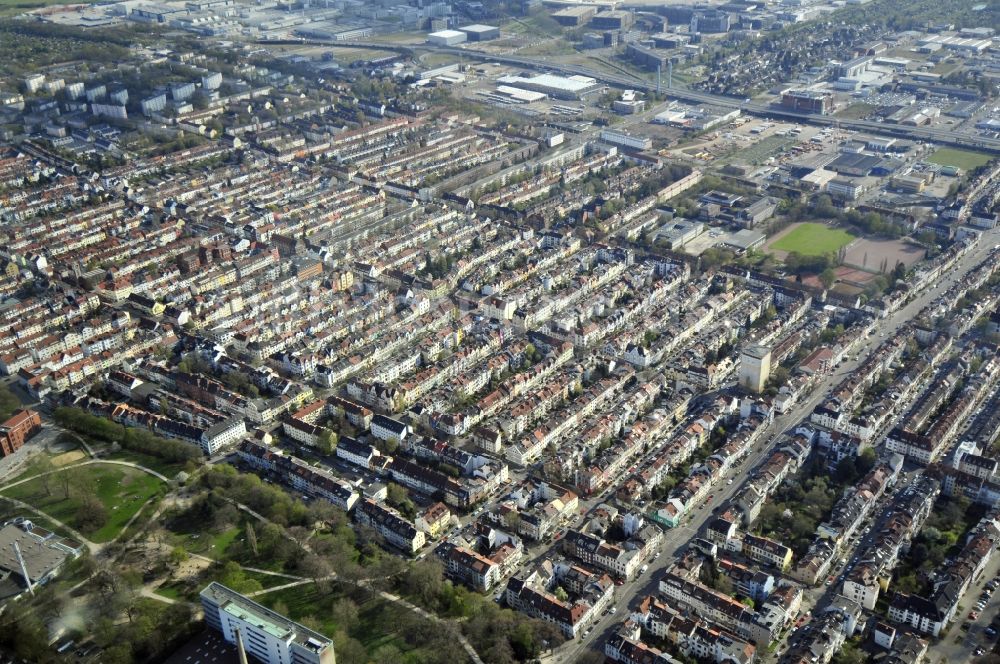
x=755, y=368
x=265, y=635
x=17, y=429
x=390, y=524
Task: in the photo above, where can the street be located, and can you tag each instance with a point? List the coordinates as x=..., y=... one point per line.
x=677, y=538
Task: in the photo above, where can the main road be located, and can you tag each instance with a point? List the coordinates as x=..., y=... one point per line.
x=676, y=538
x=942, y=136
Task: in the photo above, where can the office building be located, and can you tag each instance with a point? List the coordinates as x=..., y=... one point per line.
x=755, y=367
x=268, y=636
x=711, y=21
x=808, y=101
x=620, y=138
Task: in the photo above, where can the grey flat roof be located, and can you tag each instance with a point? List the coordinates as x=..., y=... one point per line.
x=40, y=557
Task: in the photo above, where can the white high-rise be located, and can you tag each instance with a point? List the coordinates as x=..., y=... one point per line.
x=755, y=367
x=267, y=636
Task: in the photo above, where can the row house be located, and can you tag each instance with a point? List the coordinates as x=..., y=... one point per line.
x=692, y=636
x=931, y=614
x=431, y=482
x=527, y=595
x=626, y=647
x=717, y=607
x=299, y=475
x=388, y=523
x=359, y=454
x=357, y=415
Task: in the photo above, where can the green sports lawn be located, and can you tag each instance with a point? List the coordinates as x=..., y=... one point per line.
x=121, y=490
x=964, y=159
x=813, y=240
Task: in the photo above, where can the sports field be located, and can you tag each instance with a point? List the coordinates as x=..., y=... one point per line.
x=964, y=159
x=811, y=239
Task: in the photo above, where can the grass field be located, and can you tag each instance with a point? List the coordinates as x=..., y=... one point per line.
x=13, y=7
x=812, y=239
x=187, y=591
x=122, y=491
x=378, y=620
x=856, y=111
x=166, y=468
x=964, y=159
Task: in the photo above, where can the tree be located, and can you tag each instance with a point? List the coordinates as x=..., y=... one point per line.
x=92, y=514
x=235, y=578
x=846, y=471
x=828, y=277
x=400, y=499
x=865, y=461
x=387, y=446
x=423, y=580
x=65, y=481
x=252, y=539
x=326, y=441
x=344, y=613
x=512, y=520
x=45, y=467
x=561, y=594
x=178, y=555
x=314, y=567
x=8, y=403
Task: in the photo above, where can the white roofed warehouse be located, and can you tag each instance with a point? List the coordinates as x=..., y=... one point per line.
x=479, y=32
x=447, y=38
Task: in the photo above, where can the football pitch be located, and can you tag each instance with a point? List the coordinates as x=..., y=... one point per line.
x=812, y=239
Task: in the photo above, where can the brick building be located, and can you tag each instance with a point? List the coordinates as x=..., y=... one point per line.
x=22, y=425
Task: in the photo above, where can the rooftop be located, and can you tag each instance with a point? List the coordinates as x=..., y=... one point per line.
x=273, y=623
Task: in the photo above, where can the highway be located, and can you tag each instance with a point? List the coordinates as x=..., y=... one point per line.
x=942, y=136
x=675, y=539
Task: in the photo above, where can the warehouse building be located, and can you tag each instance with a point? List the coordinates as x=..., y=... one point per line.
x=559, y=87
x=613, y=20
x=447, y=38
x=479, y=32
x=572, y=17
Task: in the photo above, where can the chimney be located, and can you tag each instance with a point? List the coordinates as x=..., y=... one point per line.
x=241, y=651
x=24, y=568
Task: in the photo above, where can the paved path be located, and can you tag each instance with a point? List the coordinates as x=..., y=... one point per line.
x=92, y=546
x=89, y=462
x=389, y=597
x=83, y=443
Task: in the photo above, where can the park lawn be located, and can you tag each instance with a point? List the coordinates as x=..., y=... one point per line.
x=168, y=469
x=811, y=239
x=375, y=616
x=196, y=538
x=964, y=159
x=188, y=592
x=121, y=490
